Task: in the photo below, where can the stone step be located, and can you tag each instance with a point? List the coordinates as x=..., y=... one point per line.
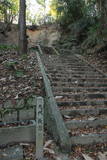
x=69, y=67
x=79, y=89
x=73, y=124
x=78, y=84
x=89, y=139
x=84, y=79
x=84, y=111
x=82, y=103
x=76, y=76
x=81, y=96
x=88, y=80
x=72, y=71
x=60, y=66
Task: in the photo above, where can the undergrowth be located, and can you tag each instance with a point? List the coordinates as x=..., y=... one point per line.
x=4, y=47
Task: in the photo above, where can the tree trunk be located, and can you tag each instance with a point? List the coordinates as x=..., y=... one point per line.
x=104, y=19
x=5, y=15
x=22, y=28
x=104, y=11
x=99, y=6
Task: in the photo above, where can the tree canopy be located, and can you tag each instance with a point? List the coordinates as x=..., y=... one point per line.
x=9, y=10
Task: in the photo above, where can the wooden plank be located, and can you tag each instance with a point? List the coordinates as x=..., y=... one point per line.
x=56, y=123
x=39, y=128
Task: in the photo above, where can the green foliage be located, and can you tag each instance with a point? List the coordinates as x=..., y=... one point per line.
x=8, y=10
x=70, y=11
x=24, y=56
x=14, y=7
x=94, y=28
x=41, y=2
x=19, y=74
x=7, y=47
x=53, y=9
x=10, y=64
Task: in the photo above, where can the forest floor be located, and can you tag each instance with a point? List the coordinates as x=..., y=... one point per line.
x=20, y=78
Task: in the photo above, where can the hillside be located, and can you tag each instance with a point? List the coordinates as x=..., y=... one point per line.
x=77, y=40
x=43, y=35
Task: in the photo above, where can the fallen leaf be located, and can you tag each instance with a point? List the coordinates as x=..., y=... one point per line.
x=16, y=97
x=27, y=88
x=67, y=117
x=87, y=157
x=102, y=156
x=24, y=144
x=58, y=97
x=91, y=118
x=50, y=151
x=4, y=155
x=48, y=143
x=3, y=79
x=76, y=82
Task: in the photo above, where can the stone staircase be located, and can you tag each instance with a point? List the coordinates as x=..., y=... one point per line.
x=81, y=95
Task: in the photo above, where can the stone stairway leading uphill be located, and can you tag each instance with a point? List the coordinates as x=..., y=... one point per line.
x=81, y=94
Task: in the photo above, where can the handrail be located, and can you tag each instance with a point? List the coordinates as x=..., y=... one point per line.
x=55, y=50
x=55, y=121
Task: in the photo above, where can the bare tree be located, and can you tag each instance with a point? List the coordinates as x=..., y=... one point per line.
x=22, y=28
